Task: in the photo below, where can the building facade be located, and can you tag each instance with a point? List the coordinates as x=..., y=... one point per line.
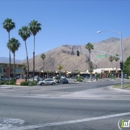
x=4, y=69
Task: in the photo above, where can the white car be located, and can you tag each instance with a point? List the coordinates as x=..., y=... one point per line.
x=48, y=81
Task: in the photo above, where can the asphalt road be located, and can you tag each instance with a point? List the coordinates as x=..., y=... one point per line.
x=85, y=106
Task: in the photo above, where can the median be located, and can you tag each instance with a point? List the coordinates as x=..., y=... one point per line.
x=126, y=86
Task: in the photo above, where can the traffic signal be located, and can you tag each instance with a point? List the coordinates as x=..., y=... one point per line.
x=77, y=53
x=121, y=65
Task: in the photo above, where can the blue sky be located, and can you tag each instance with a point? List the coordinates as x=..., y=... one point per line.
x=64, y=22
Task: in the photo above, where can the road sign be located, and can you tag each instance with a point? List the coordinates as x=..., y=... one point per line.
x=101, y=56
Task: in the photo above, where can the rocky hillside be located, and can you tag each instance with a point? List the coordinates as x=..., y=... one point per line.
x=6, y=60
x=66, y=55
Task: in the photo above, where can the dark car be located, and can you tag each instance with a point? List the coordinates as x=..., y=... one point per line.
x=64, y=81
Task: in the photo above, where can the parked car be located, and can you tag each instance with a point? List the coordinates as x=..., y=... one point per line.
x=64, y=81
x=49, y=81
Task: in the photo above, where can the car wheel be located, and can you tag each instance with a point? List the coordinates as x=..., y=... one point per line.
x=53, y=84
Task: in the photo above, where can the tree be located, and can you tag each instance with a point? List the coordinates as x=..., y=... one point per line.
x=89, y=47
x=24, y=70
x=60, y=67
x=43, y=56
x=8, y=25
x=111, y=59
x=116, y=59
x=13, y=45
x=25, y=33
x=127, y=66
x=34, y=27
x=91, y=67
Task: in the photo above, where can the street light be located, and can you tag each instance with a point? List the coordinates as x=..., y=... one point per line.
x=121, y=53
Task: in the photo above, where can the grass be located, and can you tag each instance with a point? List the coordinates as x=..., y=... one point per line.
x=126, y=86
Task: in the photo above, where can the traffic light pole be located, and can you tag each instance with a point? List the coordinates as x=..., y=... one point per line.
x=121, y=60
x=121, y=54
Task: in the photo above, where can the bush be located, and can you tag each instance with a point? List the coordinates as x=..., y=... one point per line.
x=2, y=82
x=57, y=77
x=24, y=83
x=12, y=82
x=97, y=76
x=79, y=78
x=6, y=82
x=32, y=83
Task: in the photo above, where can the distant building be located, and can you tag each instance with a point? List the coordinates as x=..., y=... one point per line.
x=4, y=69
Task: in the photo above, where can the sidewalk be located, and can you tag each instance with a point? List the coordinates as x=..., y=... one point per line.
x=11, y=86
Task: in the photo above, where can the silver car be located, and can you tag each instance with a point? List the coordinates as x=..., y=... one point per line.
x=48, y=81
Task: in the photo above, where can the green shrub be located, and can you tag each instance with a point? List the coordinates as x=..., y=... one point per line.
x=6, y=82
x=32, y=83
x=12, y=82
x=57, y=77
x=79, y=78
x=2, y=82
x=24, y=83
x=97, y=76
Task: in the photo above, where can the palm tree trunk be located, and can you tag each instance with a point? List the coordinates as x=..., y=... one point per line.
x=59, y=72
x=9, y=58
x=27, y=61
x=90, y=65
x=34, y=59
x=43, y=69
x=14, y=65
x=90, y=76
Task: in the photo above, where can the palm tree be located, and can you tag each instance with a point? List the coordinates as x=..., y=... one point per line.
x=43, y=56
x=89, y=47
x=8, y=25
x=116, y=59
x=111, y=59
x=60, y=67
x=13, y=45
x=24, y=67
x=34, y=27
x=25, y=33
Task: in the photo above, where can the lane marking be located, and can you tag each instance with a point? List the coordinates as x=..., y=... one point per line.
x=69, y=122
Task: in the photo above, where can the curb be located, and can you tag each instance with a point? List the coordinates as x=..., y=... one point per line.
x=8, y=86
x=118, y=89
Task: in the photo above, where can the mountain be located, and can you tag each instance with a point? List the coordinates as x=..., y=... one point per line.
x=109, y=40
x=6, y=60
x=66, y=55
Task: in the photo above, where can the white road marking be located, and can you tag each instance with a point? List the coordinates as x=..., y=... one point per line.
x=69, y=122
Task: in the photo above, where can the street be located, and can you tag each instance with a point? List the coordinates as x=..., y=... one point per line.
x=81, y=106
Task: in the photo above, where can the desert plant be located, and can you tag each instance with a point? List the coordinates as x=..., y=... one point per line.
x=13, y=45
x=89, y=47
x=34, y=27
x=8, y=25
x=33, y=83
x=24, y=83
x=25, y=33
